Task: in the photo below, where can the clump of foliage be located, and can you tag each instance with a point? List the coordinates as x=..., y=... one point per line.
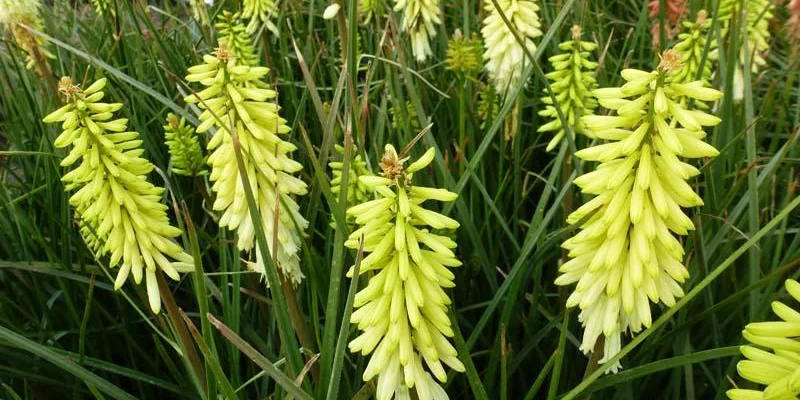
x=482, y=260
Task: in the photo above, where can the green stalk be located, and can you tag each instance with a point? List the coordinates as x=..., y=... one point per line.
x=198, y=280
x=559, y=357
x=754, y=255
x=280, y=305
x=190, y=358
x=344, y=330
x=537, y=384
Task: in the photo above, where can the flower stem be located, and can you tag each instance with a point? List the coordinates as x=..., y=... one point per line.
x=179, y=325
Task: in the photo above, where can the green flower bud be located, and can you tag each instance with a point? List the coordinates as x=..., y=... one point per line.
x=234, y=34
x=505, y=57
x=357, y=191
x=399, y=114
x=236, y=100
x=464, y=55
x=402, y=311
x=260, y=12
x=184, y=147
x=371, y=10
x=572, y=84
x=420, y=18
x=119, y=210
x=625, y=254
x=776, y=362
x=692, y=46
x=103, y=6
x=488, y=106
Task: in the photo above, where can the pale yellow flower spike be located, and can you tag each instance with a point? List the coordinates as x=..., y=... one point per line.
x=402, y=311
x=420, y=18
x=120, y=211
x=504, y=56
x=626, y=253
x=236, y=101
x=775, y=363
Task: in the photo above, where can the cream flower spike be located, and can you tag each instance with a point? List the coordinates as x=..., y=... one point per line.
x=119, y=210
x=260, y=12
x=236, y=101
x=504, y=56
x=572, y=83
x=626, y=253
x=402, y=311
x=420, y=18
x=757, y=14
x=774, y=360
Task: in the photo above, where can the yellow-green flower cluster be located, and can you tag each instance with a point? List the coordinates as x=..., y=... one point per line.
x=14, y=16
x=488, y=106
x=572, y=84
x=119, y=210
x=402, y=311
x=756, y=15
x=464, y=55
x=235, y=101
x=420, y=18
x=233, y=34
x=626, y=253
x=400, y=115
x=184, y=147
x=774, y=360
x=357, y=191
x=371, y=9
x=259, y=12
x=692, y=45
x=505, y=56
x=102, y=6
